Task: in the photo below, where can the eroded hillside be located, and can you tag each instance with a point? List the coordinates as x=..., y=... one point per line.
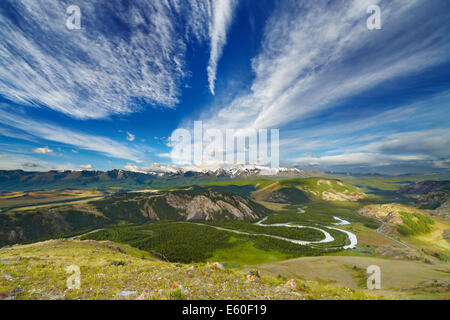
x=194, y=203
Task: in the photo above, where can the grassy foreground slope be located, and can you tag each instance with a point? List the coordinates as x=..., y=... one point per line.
x=113, y=271
x=402, y=279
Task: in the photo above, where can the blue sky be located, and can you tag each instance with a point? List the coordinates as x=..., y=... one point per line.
x=109, y=95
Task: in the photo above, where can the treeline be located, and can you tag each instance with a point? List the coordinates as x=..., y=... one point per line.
x=178, y=242
x=340, y=239
x=188, y=242
x=320, y=213
x=291, y=249
x=305, y=234
x=43, y=224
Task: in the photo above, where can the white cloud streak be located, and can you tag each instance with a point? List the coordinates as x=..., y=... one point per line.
x=222, y=15
x=77, y=139
x=316, y=54
x=426, y=146
x=432, y=144
x=97, y=71
x=27, y=163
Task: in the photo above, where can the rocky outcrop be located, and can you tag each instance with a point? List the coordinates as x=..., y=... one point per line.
x=211, y=205
x=389, y=214
x=424, y=187
x=195, y=203
x=341, y=196
x=430, y=195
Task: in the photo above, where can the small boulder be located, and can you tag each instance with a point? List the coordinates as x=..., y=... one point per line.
x=144, y=295
x=252, y=278
x=217, y=265
x=126, y=294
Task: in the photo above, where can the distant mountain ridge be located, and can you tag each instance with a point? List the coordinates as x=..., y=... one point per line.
x=22, y=180
x=231, y=172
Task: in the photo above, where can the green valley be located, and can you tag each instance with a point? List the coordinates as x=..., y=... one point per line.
x=253, y=223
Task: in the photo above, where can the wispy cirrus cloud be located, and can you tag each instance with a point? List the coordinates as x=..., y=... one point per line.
x=432, y=144
x=83, y=141
x=372, y=159
x=222, y=15
x=316, y=54
x=12, y=162
x=344, y=133
x=17, y=135
x=424, y=149
x=27, y=163
x=124, y=54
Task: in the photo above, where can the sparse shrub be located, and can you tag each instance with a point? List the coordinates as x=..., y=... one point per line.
x=177, y=294
x=118, y=263
x=281, y=277
x=373, y=224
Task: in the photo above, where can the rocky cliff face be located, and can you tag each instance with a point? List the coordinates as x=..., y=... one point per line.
x=194, y=203
x=203, y=205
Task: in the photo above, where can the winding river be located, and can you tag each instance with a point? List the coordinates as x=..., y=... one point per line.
x=327, y=236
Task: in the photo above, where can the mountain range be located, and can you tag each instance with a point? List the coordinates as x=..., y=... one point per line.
x=167, y=176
